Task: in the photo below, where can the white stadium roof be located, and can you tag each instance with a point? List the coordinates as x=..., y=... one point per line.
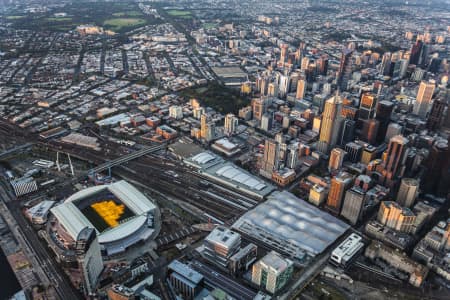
x=73, y=220
x=293, y=223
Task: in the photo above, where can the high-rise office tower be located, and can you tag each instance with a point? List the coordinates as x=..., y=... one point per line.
x=231, y=123
x=396, y=217
x=322, y=65
x=283, y=85
x=435, y=65
x=416, y=51
x=305, y=63
x=383, y=115
x=272, y=90
x=270, y=160
x=263, y=83
x=369, y=130
x=369, y=153
x=220, y=245
x=272, y=272
x=266, y=121
x=423, y=61
x=436, y=114
x=301, y=89
x=345, y=69
x=393, y=130
x=331, y=123
x=292, y=155
x=258, y=107
x=435, y=179
x=348, y=132
x=284, y=49
x=339, y=185
x=354, y=200
x=367, y=106
x=423, y=99
x=400, y=68
x=207, y=128
x=393, y=165
x=385, y=65
x=409, y=188
x=354, y=151
x=337, y=156
x=89, y=257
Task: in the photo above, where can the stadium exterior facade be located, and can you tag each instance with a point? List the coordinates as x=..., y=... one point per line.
x=69, y=219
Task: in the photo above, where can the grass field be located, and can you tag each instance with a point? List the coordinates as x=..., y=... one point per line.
x=209, y=25
x=132, y=13
x=56, y=19
x=179, y=13
x=121, y=23
x=14, y=17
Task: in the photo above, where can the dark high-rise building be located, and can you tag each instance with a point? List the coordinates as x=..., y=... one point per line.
x=383, y=115
x=393, y=165
x=345, y=69
x=369, y=130
x=322, y=65
x=354, y=151
x=423, y=61
x=434, y=65
x=385, y=63
x=435, y=180
x=436, y=114
x=416, y=51
x=348, y=132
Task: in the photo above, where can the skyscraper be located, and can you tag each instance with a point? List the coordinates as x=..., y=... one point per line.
x=409, y=188
x=348, y=132
x=345, y=69
x=89, y=258
x=369, y=130
x=270, y=160
x=385, y=65
x=367, y=106
x=284, y=48
x=416, y=51
x=423, y=99
x=331, y=123
x=301, y=89
x=436, y=178
x=337, y=156
x=272, y=272
x=207, y=128
x=383, y=115
x=393, y=165
x=354, y=200
x=259, y=108
x=231, y=123
x=437, y=112
x=396, y=217
x=339, y=185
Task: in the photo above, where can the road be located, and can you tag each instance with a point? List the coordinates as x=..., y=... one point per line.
x=43, y=263
x=218, y=280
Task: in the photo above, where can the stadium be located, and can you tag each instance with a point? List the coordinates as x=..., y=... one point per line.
x=120, y=214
